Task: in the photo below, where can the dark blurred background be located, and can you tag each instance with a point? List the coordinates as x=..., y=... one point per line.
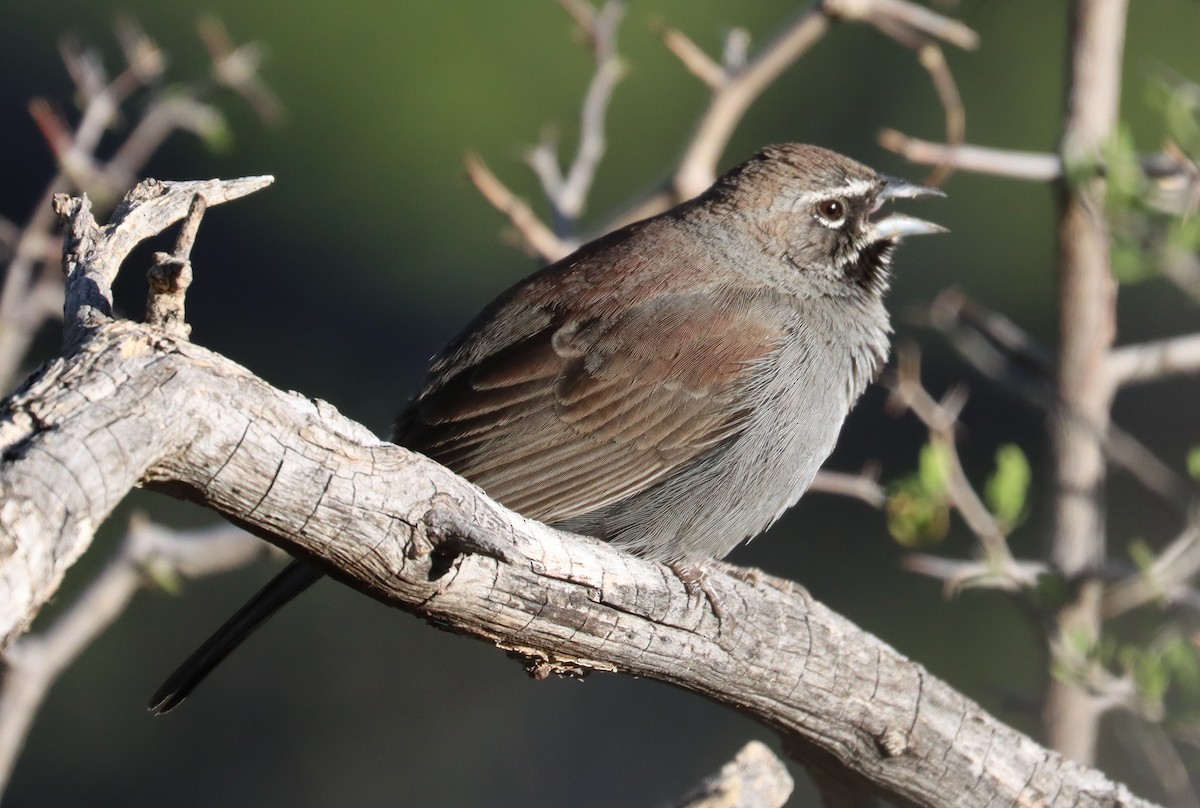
x=372, y=249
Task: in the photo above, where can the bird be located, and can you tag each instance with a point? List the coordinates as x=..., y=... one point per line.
x=671, y=387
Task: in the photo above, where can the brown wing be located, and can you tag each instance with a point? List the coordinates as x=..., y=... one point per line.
x=578, y=415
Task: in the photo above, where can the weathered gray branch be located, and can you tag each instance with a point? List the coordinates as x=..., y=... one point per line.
x=130, y=405
x=755, y=778
x=1087, y=324
x=34, y=662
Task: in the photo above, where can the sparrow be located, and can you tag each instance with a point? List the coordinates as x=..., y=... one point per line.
x=671, y=387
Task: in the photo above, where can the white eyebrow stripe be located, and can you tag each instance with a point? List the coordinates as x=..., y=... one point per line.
x=853, y=188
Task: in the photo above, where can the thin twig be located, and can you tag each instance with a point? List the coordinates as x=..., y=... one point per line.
x=697, y=168
x=956, y=575
x=755, y=778
x=237, y=67
x=533, y=231
x=864, y=486
x=1165, y=578
x=1001, y=350
x=1166, y=167
x=931, y=57
x=918, y=18
x=1018, y=165
x=1151, y=361
x=941, y=419
x=171, y=275
x=693, y=57
x=35, y=661
x=568, y=193
x=32, y=287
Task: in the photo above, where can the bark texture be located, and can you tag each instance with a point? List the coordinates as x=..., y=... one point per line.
x=133, y=406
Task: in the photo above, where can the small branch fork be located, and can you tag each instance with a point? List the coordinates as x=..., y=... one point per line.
x=98, y=252
x=171, y=276
x=32, y=291
x=735, y=82
x=149, y=552
x=997, y=567
x=1165, y=580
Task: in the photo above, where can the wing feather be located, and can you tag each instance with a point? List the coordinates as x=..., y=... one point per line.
x=576, y=416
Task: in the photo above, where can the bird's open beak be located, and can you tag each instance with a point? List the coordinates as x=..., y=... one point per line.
x=899, y=225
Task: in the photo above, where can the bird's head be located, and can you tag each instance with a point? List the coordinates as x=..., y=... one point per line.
x=817, y=211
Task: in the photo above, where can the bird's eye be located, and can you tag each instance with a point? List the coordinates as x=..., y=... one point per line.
x=833, y=211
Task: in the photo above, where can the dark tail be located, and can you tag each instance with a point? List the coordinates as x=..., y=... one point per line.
x=294, y=579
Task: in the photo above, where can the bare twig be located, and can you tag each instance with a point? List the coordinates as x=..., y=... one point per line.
x=697, y=168
x=568, y=193
x=163, y=117
x=1018, y=165
x=1001, y=350
x=32, y=289
x=941, y=418
x=171, y=275
x=934, y=61
x=1149, y=742
x=735, y=90
x=755, y=778
x=864, y=486
x=1165, y=578
x=917, y=18
x=931, y=57
x=1151, y=361
x=152, y=204
x=956, y=575
x=693, y=57
x=34, y=662
x=1033, y=166
x=237, y=67
x=539, y=238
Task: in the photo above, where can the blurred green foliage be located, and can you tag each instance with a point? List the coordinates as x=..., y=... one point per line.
x=918, y=506
x=1006, y=491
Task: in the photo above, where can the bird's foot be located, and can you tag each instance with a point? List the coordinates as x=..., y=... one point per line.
x=697, y=583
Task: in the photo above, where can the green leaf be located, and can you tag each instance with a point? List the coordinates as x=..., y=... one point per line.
x=1051, y=592
x=1193, y=462
x=1123, y=172
x=1130, y=262
x=1007, y=490
x=918, y=510
x=916, y=520
x=933, y=469
x=1180, y=656
x=1141, y=554
x=163, y=576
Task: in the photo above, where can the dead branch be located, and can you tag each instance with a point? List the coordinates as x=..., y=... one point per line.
x=736, y=82
x=1017, y=165
x=34, y=662
x=1152, y=361
x=1087, y=325
x=568, y=192
x=32, y=289
x=534, y=233
x=755, y=778
x=134, y=405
